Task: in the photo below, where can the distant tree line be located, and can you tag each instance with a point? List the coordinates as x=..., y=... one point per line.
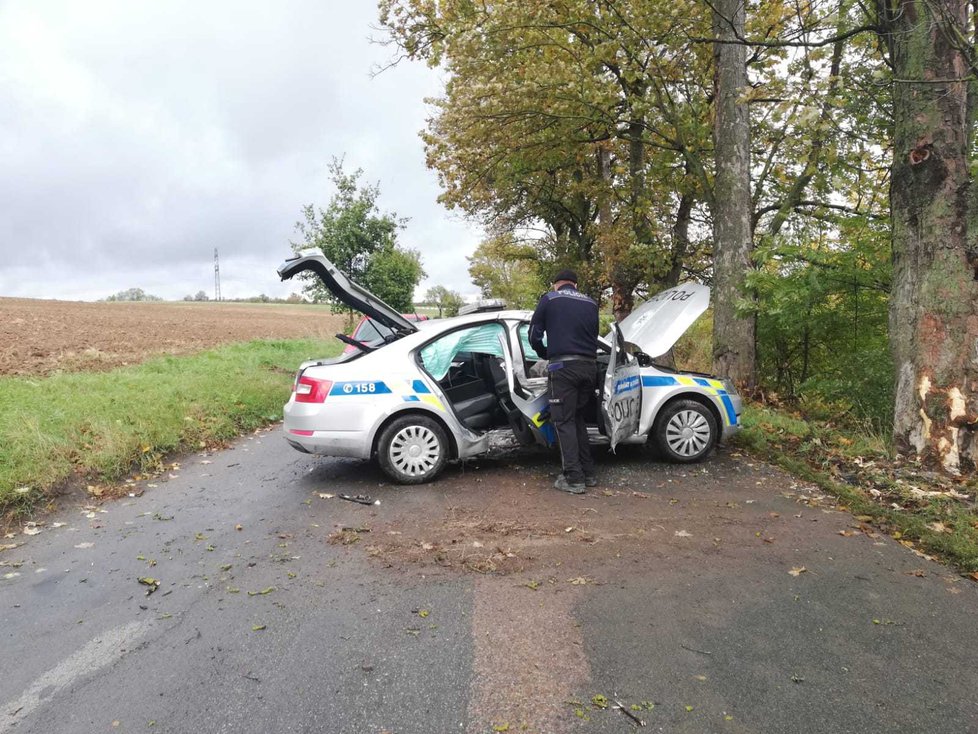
x=133, y=294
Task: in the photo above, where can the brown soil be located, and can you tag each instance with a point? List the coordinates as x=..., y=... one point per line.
x=503, y=518
x=40, y=337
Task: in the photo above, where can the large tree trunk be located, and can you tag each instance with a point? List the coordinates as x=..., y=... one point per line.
x=934, y=302
x=733, y=336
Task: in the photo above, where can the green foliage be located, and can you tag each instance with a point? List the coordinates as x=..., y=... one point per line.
x=359, y=239
x=822, y=324
x=392, y=275
x=503, y=268
x=102, y=425
x=133, y=294
x=448, y=302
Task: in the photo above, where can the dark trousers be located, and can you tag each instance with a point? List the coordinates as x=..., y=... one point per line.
x=571, y=386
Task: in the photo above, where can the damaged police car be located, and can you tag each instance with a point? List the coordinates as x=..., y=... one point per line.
x=434, y=391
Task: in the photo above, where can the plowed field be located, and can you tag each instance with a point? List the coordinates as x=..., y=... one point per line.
x=40, y=337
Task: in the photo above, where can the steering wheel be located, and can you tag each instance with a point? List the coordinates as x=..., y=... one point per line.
x=353, y=342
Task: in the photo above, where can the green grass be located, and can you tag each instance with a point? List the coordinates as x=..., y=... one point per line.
x=101, y=426
x=856, y=468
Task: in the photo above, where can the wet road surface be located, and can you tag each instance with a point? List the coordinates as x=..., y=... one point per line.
x=724, y=597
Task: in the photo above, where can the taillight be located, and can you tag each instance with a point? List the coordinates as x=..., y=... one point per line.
x=311, y=390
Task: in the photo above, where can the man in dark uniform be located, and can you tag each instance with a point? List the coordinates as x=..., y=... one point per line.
x=570, y=321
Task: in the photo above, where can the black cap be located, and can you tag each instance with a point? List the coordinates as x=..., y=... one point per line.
x=565, y=275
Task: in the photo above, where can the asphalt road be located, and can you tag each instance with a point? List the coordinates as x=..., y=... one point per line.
x=484, y=602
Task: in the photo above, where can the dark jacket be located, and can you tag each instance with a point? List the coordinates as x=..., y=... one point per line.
x=570, y=321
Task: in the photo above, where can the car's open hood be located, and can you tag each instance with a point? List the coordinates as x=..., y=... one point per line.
x=658, y=323
x=346, y=291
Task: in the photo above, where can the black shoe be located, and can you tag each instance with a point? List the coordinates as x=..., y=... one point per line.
x=564, y=486
x=590, y=480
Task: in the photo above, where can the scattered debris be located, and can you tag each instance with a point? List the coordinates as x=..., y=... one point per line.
x=798, y=571
x=629, y=714
x=360, y=499
x=263, y=592
x=149, y=581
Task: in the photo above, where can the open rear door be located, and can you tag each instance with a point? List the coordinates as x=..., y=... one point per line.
x=621, y=398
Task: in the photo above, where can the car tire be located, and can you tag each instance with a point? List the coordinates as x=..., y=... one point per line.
x=685, y=432
x=413, y=449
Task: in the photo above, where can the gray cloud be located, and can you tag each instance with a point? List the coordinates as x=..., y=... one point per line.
x=135, y=137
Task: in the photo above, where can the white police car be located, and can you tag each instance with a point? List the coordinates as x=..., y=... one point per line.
x=436, y=389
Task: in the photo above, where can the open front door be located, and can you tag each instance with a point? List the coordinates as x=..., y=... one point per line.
x=621, y=398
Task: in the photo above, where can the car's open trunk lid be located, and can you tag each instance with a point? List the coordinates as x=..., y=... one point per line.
x=346, y=291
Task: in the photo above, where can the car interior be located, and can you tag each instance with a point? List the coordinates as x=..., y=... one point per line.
x=477, y=388
x=476, y=385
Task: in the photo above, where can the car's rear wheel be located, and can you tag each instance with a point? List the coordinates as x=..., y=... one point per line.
x=685, y=431
x=413, y=449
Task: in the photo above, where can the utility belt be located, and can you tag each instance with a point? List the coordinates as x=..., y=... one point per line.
x=571, y=358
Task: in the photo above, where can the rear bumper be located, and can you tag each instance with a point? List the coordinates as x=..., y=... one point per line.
x=355, y=444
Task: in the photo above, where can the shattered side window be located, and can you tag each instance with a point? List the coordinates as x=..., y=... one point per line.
x=486, y=339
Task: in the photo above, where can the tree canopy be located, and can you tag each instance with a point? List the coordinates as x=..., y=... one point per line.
x=361, y=240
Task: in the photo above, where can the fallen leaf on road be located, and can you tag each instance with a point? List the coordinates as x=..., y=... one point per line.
x=31, y=529
x=501, y=727
x=85, y=545
x=939, y=527
x=798, y=570
x=7, y=546
x=916, y=572
x=864, y=518
x=325, y=496
x=58, y=524
x=423, y=613
x=600, y=701
x=149, y=581
x=683, y=534
x=974, y=576
x=258, y=628
x=847, y=533
x=580, y=580
x=263, y=592
x=238, y=527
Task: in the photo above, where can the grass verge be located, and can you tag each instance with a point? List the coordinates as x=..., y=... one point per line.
x=925, y=511
x=100, y=426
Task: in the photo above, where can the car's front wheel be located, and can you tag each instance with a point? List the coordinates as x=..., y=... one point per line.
x=685, y=431
x=413, y=449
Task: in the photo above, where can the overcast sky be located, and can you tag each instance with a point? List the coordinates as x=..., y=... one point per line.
x=137, y=136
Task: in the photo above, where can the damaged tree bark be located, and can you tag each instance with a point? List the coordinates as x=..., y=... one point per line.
x=934, y=303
